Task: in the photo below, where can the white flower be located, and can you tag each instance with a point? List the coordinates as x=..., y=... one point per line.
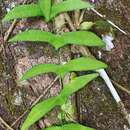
x=18, y=99
x=93, y=1
x=7, y=9
x=99, y=54
x=108, y=40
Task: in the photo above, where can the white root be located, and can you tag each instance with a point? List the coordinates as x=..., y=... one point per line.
x=108, y=82
x=114, y=93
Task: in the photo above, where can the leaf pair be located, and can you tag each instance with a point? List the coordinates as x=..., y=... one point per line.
x=41, y=109
x=78, y=38
x=80, y=64
x=70, y=126
x=46, y=9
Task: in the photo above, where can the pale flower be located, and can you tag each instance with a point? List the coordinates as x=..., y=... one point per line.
x=108, y=40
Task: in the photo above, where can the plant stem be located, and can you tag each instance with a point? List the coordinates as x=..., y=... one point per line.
x=121, y=87
x=69, y=22
x=76, y=18
x=81, y=16
x=8, y=33
x=60, y=23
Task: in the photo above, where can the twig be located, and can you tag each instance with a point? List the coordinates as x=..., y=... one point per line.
x=12, y=26
x=99, y=14
x=76, y=18
x=110, y=22
x=2, y=37
x=81, y=16
x=5, y=124
x=8, y=33
x=124, y=112
x=68, y=19
x=45, y=91
x=36, y=101
x=19, y=118
x=121, y=87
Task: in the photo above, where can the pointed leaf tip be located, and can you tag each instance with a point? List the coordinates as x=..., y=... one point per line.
x=39, y=111
x=77, y=84
x=23, y=11
x=40, y=69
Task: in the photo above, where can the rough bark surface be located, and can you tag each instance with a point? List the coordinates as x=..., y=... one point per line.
x=95, y=104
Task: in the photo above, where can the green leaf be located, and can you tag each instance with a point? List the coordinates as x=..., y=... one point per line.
x=78, y=38
x=84, y=64
x=70, y=126
x=79, y=64
x=34, y=35
x=39, y=69
x=44, y=107
x=69, y=5
x=45, y=6
x=81, y=38
x=23, y=11
x=76, y=84
x=39, y=111
x=54, y=128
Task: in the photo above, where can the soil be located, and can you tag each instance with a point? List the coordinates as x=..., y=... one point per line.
x=96, y=106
